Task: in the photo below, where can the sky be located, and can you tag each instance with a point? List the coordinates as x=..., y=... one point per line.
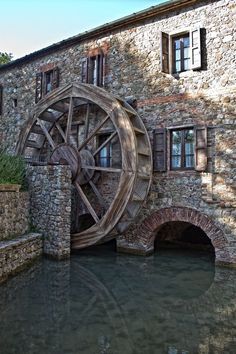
x=29, y=25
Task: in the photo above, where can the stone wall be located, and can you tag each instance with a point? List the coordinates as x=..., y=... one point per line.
x=14, y=214
x=195, y=97
x=50, y=207
x=17, y=253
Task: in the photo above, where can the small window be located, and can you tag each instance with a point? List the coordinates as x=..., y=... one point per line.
x=46, y=82
x=181, y=52
x=15, y=102
x=105, y=154
x=93, y=70
x=182, y=149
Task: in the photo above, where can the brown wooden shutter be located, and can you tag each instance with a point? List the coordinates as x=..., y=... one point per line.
x=38, y=89
x=165, y=66
x=1, y=99
x=195, y=48
x=90, y=70
x=159, y=149
x=100, y=66
x=200, y=148
x=84, y=70
x=55, y=78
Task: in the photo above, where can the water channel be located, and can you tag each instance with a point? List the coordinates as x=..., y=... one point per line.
x=100, y=302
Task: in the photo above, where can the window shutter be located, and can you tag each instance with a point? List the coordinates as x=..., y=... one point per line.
x=55, y=78
x=159, y=150
x=165, y=52
x=195, y=48
x=100, y=69
x=1, y=96
x=200, y=148
x=38, y=89
x=90, y=70
x=84, y=70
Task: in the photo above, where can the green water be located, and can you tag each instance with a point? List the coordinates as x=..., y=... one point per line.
x=173, y=302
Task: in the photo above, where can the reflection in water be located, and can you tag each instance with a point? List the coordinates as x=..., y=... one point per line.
x=103, y=303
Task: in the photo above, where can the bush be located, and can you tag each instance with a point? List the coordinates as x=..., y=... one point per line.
x=12, y=169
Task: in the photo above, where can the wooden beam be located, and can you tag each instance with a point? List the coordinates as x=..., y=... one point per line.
x=94, y=132
x=86, y=202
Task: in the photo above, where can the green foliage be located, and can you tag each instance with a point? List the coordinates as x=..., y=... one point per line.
x=5, y=58
x=12, y=169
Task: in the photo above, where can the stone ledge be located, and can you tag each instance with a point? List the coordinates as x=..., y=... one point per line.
x=16, y=254
x=124, y=246
x=4, y=245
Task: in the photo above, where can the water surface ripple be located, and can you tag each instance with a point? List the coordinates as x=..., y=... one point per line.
x=173, y=302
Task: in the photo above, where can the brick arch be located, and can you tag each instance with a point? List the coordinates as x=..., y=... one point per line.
x=151, y=224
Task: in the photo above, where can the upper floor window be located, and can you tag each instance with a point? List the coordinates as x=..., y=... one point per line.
x=180, y=149
x=181, y=52
x=93, y=70
x=46, y=81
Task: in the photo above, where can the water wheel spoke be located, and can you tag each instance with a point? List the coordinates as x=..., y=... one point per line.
x=69, y=120
x=105, y=143
x=98, y=194
x=93, y=133
x=86, y=202
x=86, y=128
x=59, y=128
x=99, y=168
x=46, y=133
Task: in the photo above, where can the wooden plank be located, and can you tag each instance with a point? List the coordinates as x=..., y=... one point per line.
x=105, y=143
x=48, y=136
x=98, y=168
x=138, y=131
x=60, y=107
x=144, y=152
x=69, y=120
x=86, y=128
x=98, y=194
x=60, y=131
x=33, y=144
x=48, y=116
x=37, y=130
x=93, y=133
x=86, y=202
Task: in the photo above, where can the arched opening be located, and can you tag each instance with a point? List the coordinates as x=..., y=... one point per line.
x=184, y=235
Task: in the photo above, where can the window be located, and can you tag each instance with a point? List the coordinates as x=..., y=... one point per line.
x=93, y=70
x=181, y=52
x=105, y=154
x=46, y=82
x=1, y=100
x=180, y=149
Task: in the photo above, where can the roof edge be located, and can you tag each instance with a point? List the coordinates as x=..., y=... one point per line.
x=98, y=31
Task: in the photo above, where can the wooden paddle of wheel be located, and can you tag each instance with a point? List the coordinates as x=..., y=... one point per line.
x=65, y=128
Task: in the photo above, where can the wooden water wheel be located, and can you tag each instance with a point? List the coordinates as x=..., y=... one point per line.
x=107, y=147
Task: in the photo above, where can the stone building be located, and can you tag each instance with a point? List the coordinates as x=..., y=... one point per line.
x=173, y=64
